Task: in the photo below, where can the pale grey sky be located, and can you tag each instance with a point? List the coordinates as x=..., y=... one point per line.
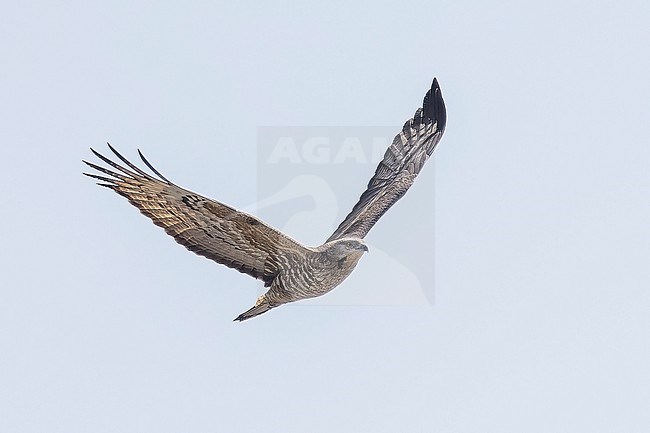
x=541, y=188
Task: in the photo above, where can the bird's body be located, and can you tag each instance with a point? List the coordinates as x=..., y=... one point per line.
x=238, y=240
x=309, y=273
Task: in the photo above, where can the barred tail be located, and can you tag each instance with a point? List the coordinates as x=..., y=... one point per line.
x=255, y=311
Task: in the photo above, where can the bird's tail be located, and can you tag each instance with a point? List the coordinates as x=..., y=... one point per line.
x=258, y=309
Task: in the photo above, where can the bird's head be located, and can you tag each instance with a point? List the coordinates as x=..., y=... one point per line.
x=345, y=247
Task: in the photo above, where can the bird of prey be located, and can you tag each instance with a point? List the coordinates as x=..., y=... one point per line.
x=290, y=270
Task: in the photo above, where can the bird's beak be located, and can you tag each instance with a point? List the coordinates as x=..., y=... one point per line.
x=364, y=247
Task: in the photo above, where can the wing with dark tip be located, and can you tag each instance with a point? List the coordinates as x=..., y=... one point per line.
x=401, y=164
x=206, y=227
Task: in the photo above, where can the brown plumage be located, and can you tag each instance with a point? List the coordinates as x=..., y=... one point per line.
x=238, y=240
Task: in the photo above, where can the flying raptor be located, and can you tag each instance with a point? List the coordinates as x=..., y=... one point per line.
x=290, y=270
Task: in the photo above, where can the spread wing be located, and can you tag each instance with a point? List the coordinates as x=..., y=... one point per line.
x=206, y=227
x=401, y=164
